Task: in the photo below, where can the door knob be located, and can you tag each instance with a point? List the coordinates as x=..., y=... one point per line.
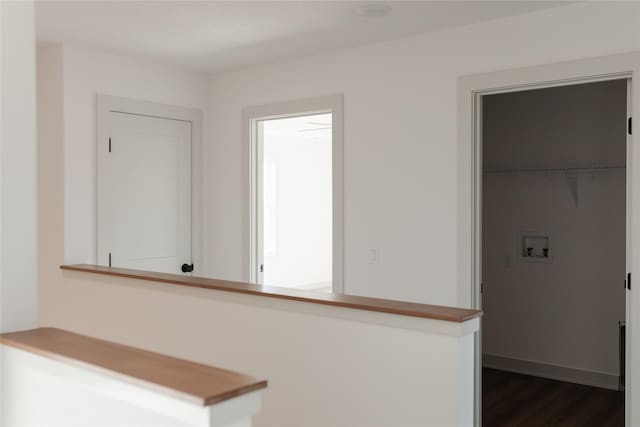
x=187, y=268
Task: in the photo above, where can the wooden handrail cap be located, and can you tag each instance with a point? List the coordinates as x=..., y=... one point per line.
x=197, y=383
x=426, y=311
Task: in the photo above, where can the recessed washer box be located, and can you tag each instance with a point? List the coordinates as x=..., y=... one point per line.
x=535, y=247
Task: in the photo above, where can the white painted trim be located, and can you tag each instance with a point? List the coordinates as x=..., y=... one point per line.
x=236, y=411
x=629, y=303
x=107, y=103
x=332, y=103
x=469, y=181
x=554, y=372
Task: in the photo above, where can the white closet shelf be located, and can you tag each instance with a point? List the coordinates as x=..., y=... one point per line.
x=558, y=170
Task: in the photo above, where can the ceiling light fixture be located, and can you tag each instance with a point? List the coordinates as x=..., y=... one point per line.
x=373, y=10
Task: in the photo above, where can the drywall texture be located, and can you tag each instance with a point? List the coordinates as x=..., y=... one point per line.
x=577, y=126
x=18, y=269
x=563, y=313
x=400, y=118
x=51, y=200
x=326, y=366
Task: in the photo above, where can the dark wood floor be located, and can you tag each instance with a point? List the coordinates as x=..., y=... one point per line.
x=510, y=399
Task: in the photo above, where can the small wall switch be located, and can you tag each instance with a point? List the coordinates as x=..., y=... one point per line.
x=374, y=256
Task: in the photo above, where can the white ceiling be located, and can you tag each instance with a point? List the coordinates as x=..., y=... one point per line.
x=315, y=127
x=217, y=35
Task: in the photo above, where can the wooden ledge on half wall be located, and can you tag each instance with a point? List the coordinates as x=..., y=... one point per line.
x=426, y=311
x=199, y=384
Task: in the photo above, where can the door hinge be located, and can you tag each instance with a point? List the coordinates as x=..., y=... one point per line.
x=261, y=268
x=109, y=144
x=481, y=288
x=630, y=125
x=109, y=259
x=628, y=281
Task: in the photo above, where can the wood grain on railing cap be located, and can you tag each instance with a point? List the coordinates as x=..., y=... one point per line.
x=427, y=311
x=194, y=382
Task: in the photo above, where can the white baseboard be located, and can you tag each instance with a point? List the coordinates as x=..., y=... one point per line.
x=554, y=372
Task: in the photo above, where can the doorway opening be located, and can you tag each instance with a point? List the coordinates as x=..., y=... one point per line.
x=293, y=202
x=293, y=168
x=554, y=219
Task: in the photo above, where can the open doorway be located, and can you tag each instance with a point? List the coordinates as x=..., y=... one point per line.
x=293, y=202
x=554, y=245
x=293, y=194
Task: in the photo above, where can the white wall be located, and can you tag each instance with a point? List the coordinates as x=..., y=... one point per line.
x=326, y=366
x=50, y=168
x=578, y=126
x=400, y=137
x=563, y=313
x=19, y=266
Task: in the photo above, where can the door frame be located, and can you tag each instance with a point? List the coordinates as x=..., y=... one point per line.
x=108, y=103
x=300, y=107
x=469, y=188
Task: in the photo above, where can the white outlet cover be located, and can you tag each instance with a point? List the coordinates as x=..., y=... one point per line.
x=374, y=256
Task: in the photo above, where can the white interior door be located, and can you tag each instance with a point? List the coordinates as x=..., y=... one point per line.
x=144, y=193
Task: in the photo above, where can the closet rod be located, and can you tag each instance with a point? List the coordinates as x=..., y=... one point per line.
x=566, y=170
